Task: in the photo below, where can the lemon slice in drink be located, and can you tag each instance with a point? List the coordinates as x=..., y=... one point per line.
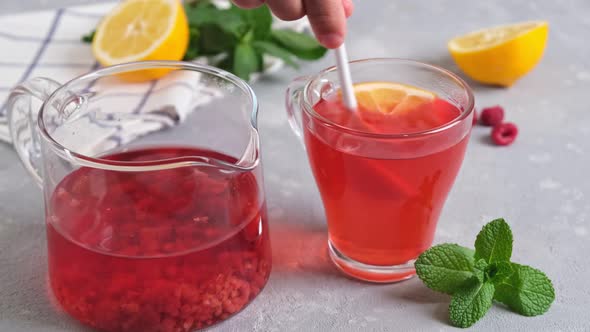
x=500, y=55
x=138, y=30
x=389, y=98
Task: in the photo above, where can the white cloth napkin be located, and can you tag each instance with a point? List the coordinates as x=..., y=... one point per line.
x=47, y=44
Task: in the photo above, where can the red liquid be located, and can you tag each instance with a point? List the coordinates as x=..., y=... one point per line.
x=170, y=250
x=381, y=210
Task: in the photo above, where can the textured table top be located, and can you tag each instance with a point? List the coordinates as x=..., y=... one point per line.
x=539, y=185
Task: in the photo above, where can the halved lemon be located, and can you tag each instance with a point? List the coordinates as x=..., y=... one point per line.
x=388, y=97
x=138, y=30
x=500, y=55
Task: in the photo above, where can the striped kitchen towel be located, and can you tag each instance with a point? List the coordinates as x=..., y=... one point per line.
x=47, y=44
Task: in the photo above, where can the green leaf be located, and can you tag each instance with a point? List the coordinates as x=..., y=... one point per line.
x=498, y=272
x=527, y=291
x=470, y=304
x=246, y=61
x=301, y=45
x=276, y=51
x=494, y=242
x=444, y=268
x=191, y=54
x=214, y=40
x=219, y=30
x=192, y=50
x=228, y=21
x=259, y=20
x=467, y=251
x=89, y=37
x=494, y=272
x=481, y=264
x=480, y=270
x=197, y=4
x=248, y=37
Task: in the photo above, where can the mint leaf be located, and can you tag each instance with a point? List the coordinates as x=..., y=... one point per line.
x=228, y=21
x=192, y=50
x=197, y=5
x=301, y=45
x=494, y=272
x=494, y=242
x=213, y=40
x=498, y=272
x=248, y=37
x=259, y=19
x=480, y=270
x=470, y=304
x=444, y=267
x=246, y=61
x=527, y=291
x=467, y=251
x=276, y=51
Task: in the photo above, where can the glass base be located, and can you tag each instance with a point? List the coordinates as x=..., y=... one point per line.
x=371, y=273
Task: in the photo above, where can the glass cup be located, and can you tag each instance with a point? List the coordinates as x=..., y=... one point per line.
x=155, y=208
x=382, y=193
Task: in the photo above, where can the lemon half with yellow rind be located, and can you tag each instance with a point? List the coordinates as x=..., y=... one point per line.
x=139, y=30
x=500, y=55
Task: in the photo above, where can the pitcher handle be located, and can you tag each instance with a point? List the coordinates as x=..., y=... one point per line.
x=293, y=104
x=22, y=121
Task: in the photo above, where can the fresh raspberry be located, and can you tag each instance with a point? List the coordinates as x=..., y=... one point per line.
x=474, y=117
x=504, y=133
x=492, y=116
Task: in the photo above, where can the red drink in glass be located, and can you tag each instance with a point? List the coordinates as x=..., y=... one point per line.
x=383, y=211
x=169, y=250
x=383, y=170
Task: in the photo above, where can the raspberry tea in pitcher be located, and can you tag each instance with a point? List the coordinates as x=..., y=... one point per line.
x=168, y=250
x=155, y=207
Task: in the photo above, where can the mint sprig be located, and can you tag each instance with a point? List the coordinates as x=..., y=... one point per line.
x=475, y=279
x=238, y=39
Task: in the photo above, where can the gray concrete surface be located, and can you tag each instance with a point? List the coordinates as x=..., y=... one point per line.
x=539, y=184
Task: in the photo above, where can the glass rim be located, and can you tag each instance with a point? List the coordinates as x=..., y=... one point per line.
x=161, y=164
x=308, y=107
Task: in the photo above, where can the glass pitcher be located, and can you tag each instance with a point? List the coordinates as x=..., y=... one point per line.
x=154, y=200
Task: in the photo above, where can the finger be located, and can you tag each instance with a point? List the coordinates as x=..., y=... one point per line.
x=248, y=4
x=327, y=21
x=288, y=10
x=348, y=7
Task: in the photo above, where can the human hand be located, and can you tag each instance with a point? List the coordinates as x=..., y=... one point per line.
x=327, y=17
